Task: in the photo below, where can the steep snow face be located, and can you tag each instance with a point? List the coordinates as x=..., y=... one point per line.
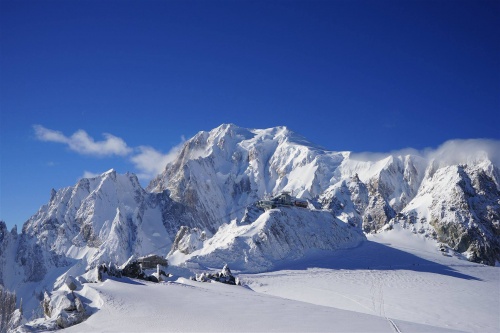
x=104, y=219
x=8, y=246
x=277, y=236
x=221, y=172
x=107, y=218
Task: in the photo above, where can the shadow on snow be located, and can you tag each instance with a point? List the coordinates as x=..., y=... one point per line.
x=127, y=280
x=372, y=255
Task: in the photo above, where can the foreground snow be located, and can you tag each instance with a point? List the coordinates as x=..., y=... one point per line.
x=398, y=275
x=187, y=306
x=395, y=282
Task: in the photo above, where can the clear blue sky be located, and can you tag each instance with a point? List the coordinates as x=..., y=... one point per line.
x=348, y=75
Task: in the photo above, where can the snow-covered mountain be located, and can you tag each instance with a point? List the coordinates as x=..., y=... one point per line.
x=222, y=172
x=201, y=209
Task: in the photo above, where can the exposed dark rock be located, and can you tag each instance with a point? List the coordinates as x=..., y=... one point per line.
x=224, y=276
x=133, y=270
x=71, y=283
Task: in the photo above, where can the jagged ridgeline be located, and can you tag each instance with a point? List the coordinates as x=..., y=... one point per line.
x=202, y=208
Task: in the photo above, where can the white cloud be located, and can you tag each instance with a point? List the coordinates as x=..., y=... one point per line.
x=371, y=156
x=45, y=134
x=465, y=151
x=88, y=174
x=458, y=151
x=150, y=162
x=82, y=143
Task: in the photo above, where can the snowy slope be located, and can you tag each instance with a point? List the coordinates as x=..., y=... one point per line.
x=186, y=306
x=276, y=236
x=395, y=282
x=110, y=214
x=395, y=274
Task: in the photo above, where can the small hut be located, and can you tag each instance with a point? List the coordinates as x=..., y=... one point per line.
x=151, y=261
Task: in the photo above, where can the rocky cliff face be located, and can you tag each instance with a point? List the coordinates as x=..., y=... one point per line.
x=460, y=206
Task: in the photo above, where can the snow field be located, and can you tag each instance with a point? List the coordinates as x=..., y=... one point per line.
x=395, y=282
x=397, y=275
x=188, y=306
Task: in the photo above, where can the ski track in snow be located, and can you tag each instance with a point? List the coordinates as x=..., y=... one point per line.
x=445, y=292
x=187, y=306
